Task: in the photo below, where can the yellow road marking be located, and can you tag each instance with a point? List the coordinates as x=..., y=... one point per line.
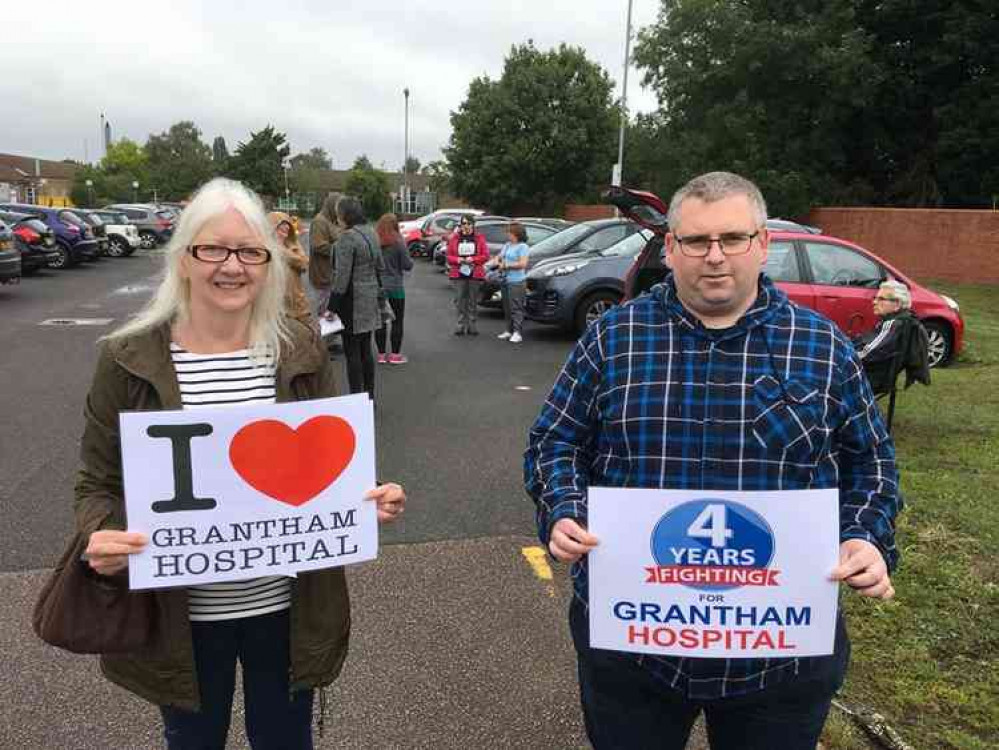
x=538, y=561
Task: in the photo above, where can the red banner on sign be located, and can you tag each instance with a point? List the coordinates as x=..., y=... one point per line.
x=721, y=575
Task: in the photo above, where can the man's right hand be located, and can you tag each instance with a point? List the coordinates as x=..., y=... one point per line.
x=569, y=541
x=108, y=551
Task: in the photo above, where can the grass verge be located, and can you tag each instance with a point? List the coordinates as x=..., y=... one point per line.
x=929, y=660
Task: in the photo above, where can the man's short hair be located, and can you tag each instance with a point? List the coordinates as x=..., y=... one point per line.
x=899, y=291
x=349, y=210
x=714, y=186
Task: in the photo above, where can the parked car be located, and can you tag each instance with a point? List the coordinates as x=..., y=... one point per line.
x=123, y=235
x=74, y=238
x=549, y=220
x=574, y=290
x=496, y=232
x=833, y=276
x=97, y=226
x=33, y=240
x=10, y=258
x=155, y=225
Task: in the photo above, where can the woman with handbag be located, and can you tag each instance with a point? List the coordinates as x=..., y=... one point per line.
x=356, y=293
x=397, y=262
x=215, y=333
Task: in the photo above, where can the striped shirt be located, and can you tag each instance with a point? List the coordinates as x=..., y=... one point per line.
x=650, y=398
x=214, y=380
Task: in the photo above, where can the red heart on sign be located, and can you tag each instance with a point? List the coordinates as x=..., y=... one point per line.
x=292, y=466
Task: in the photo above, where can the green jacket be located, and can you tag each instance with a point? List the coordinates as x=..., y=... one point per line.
x=137, y=374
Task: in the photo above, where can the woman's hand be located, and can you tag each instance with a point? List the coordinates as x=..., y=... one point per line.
x=390, y=499
x=107, y=551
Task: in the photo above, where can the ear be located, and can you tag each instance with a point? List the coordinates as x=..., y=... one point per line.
x=764, y=241
x=669, y=247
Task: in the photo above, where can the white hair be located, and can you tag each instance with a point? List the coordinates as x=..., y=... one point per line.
x=172, y=300
x=899, y=291
x=714, y=186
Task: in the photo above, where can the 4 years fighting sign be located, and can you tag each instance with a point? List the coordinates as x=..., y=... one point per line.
x=705, y=574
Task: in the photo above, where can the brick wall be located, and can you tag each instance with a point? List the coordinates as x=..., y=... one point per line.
x=953, y=245
x=580, y=212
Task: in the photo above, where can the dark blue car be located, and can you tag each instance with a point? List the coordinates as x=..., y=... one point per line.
x=74, y=237
x=10, y=258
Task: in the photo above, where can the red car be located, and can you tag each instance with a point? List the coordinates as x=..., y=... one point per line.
x=837, y=278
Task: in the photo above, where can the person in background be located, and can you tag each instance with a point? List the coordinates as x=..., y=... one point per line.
x=357, y=267
x=215, y=334
x=512, y=260
x=323, y=233
x=397, y=262
x=467, y=254
x=897, y=327
x=295, y=300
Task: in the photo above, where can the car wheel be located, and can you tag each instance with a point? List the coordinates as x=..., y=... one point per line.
x=941, y=343
x=65, y=259
x=593, y=307
x=147, y=240
x=117, y=247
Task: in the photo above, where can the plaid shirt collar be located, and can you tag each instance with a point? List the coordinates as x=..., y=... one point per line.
x=769, y=299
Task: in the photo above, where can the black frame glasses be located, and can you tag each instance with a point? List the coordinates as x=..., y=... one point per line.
x=730, y=243
x=248, y=256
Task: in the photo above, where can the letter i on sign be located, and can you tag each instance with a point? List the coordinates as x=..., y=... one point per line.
x=710, y=524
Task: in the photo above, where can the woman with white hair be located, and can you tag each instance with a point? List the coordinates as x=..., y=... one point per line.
x=215, y=333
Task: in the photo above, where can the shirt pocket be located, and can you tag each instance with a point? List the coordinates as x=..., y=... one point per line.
x=788, y=422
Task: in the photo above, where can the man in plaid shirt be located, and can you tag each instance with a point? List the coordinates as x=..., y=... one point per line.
x=713, y=381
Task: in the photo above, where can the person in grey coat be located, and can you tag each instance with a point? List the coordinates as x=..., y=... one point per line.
x=357, y=266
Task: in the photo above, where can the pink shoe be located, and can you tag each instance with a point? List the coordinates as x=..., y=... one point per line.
x=382, y=359
x=397, y=359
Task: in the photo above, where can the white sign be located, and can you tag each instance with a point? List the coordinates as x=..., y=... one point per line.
x=244, y=491
x=705, y=574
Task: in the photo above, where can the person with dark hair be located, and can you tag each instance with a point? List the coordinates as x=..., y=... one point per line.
x=323, y=233
x=512, y=261
x=355, y=293
x=467, y=254
x=397, y=262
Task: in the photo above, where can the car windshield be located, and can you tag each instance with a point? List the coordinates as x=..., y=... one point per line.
x=165, y=215
x=631, y=245
x=559, y=242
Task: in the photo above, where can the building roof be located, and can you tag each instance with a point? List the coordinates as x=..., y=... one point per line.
x=15, y=168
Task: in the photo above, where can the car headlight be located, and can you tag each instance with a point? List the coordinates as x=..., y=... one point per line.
x=564, y=270
x=951, y=303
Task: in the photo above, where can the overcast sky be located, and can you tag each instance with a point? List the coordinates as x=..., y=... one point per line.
x=327, y=74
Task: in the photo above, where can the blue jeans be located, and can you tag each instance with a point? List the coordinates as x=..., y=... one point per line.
x=275, y=720
x=626, y=708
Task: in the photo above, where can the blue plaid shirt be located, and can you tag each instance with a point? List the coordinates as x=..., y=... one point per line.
x=651, y=398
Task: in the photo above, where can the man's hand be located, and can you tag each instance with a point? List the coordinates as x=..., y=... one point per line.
x=569, y=541
x=390, y=500
x=863, y=569
x=107, y=551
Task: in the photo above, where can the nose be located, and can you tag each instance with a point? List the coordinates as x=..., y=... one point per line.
x=715, y=254
x=232, y=264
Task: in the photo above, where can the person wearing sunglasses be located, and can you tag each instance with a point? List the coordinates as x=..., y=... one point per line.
x=215, y=334
x=713, y=381
x=467, y=255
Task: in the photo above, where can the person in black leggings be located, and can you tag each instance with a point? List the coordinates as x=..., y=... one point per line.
x=397, y=262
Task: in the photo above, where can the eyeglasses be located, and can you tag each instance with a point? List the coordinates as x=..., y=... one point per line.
x=730, y=243
x=249, y=256
x=885, y=299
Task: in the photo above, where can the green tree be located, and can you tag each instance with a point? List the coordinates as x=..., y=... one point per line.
x=178, y=161
x=439, y=174
x=220, y=155
x=370, y=186
x=412, y=165
x=315, y=158
x=125, y=157
x=259, y=162
x=542, y=134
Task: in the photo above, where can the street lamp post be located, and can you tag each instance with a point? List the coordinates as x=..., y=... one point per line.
x=405, y=161
x=90, y=192
x=135, y=191
x=618, y=175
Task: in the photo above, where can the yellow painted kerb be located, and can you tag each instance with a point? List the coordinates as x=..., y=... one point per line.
x=538, y=561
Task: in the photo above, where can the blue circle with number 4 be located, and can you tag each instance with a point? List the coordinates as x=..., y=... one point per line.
x=713, y=533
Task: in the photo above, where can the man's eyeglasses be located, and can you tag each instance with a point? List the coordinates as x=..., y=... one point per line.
x=885, y=299
x=730, y=243
x=250, y=256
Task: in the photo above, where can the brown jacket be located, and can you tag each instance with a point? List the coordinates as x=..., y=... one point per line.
x=137, y=374
x=323, y=232
x=295, y=302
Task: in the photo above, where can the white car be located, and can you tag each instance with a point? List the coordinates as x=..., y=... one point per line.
x=123, y=236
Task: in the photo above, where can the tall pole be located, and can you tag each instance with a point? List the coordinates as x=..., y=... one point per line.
x=405, y=162
x=619, y=176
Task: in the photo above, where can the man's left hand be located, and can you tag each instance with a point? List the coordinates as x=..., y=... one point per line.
x=862, y=568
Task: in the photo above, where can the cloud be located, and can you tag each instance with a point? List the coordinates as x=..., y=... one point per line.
x=328, y=74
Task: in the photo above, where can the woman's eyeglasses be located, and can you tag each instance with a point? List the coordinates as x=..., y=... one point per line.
x=250, y=256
